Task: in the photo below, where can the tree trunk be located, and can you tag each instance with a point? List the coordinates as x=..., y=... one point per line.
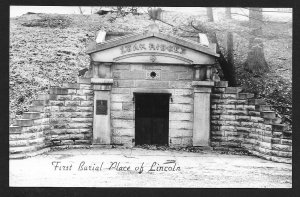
x=210, y=15
x=228, y=13
x=256, y=62
x=227, y=67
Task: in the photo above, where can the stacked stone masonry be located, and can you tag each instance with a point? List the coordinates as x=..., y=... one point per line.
x=242, y=123
x=65, y=116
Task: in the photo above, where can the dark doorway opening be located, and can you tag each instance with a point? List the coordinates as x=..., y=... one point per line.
x=151, y=118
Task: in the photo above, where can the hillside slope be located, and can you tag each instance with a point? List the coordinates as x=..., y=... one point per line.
x=49, y=49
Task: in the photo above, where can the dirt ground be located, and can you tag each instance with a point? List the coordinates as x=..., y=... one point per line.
x=122, y=168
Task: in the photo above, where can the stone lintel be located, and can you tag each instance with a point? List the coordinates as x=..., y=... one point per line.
x=203, y=83
x=202, y=90
x=101, y=81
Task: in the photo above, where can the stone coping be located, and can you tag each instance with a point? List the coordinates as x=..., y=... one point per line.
x=203, y=83
x=101, y=81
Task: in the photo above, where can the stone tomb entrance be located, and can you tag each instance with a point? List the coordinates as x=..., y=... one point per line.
x=151, y=118
x=155, y=89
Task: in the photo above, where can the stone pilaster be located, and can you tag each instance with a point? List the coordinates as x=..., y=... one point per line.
x=102, y=121
x=201, y=127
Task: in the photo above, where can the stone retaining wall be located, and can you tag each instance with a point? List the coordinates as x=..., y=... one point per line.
x=64, y=117
x=241, y=123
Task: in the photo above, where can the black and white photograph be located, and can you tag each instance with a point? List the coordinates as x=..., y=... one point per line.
x=150, y=97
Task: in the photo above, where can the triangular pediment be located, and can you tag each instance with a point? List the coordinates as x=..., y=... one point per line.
x=153, y=48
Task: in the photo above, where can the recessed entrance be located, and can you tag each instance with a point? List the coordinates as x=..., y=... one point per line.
x=151, y=118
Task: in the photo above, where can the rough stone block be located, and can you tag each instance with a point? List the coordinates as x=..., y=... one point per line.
x=121, y=98
x=116, y=106
x=123, y=132
x=246, y=124
x=183, y=92
x=263, y=107
x=40, y=102
x=231, y=133
x=47, y=96
x=180, y=116
x=227, y=128
x=180, y=108
x=83, y=142
x=173, y=124
x=84, y=92
x=120, y=91
x=76, y=136
x=221, y=84
x=120, y=123
x=72, y=91
x=281, y=159
x=243, y=118
x=31, y=115
x=227, y=117
x=181, y=84
x=128, y=115
x=233, y=90
x=82, y=80
x=216, y=96
x=63, y=97
x=232, y=123
x=237, y=112
x=86, y=103
x=71, y=85
x=217, y=133
x=67, y=142
x=268, y=114
x=185, y=76
x=229, y=96
x=79, y=125
x=123, y=83
x=281, y=147
x=219, y=90
x=135, y=74
x=182, y=99
x=254, y=113
x=72, y=103
x=186, y=141
x=175, y=141
x=116, y=140
x=266, y=145
x=84, y=109
x=241, y=102
x=83, y=120
x=58, y=90
x=221, y=106
x=128, y=106
x=121, y=67
x=56, y=103
x=256, y=102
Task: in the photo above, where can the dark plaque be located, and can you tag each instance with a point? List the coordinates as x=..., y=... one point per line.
x=101, y=107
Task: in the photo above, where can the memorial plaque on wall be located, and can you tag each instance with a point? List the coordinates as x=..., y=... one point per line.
x=101, y=107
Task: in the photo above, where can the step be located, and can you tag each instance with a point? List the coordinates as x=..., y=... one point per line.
x=83, y=80
x=268, y=114
x=245, y=95
x=278, y=127
x=233, y=90
x=15, y=129
x=29, y=154
x=47, y=97
x=221, y=84
x=40, y=102
x=71, y=85
x=36, y=108
x=263, y=107
x=61, y=91
x=24, y=122
x=31, y=115
x=256, y=102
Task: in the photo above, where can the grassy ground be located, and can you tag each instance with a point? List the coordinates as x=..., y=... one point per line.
x=50, y=49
